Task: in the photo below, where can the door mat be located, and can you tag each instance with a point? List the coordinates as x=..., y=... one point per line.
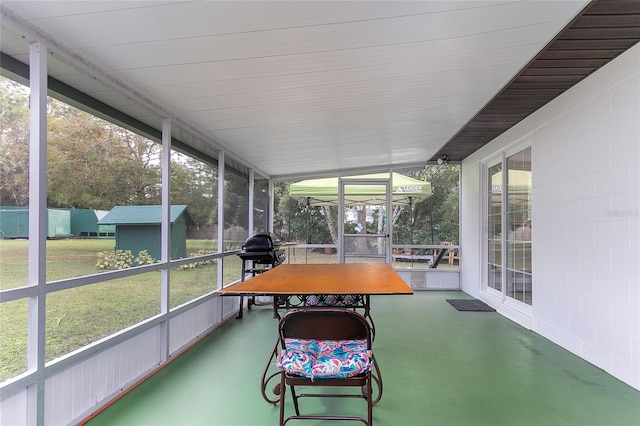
x=470, y=305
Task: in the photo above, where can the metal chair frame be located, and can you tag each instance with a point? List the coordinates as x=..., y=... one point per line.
x=325, y=324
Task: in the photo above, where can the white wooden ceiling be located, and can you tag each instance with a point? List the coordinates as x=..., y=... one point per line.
x=292, y=88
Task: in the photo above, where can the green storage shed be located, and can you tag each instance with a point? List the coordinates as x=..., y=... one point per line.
x=138, y=229
x=58, y=223
x=84, y=224
x=14, y=223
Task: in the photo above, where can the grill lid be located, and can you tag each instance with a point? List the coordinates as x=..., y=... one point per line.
x=261, y=242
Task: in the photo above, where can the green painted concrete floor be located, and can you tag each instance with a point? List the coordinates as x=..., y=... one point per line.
x=439, y=367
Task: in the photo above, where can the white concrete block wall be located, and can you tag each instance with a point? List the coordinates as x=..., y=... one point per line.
x=586, y=239
x=586, y=207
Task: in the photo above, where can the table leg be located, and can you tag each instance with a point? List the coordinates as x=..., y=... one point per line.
x=239, y=316
x=367, y=315
x=275, y=306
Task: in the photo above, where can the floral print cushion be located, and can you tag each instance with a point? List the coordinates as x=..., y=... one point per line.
x=325, y=358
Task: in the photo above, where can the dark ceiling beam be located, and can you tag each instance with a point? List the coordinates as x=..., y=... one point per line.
x=602, y=31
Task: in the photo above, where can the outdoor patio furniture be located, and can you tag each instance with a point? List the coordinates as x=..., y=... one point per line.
x=324, y=347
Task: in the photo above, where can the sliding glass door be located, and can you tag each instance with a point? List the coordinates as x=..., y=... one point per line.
x=508, y=225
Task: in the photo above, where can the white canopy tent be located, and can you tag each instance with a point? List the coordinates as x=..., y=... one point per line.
x=324, y=192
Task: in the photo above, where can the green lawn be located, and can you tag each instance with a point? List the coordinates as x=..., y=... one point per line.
x=82, y=315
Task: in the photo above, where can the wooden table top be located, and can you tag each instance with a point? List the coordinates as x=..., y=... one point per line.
x=350, y=278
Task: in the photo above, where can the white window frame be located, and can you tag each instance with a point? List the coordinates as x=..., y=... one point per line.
x=500, y=157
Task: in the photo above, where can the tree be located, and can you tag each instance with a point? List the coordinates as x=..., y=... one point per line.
x=94, y=164
x=436, y=218
x=236, y=201
x=195, y=184
x=14, y=144
x=296, y=220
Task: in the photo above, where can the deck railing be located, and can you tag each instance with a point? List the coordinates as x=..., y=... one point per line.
x=402, y=256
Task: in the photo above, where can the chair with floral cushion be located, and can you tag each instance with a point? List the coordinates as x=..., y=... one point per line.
x=325, y=347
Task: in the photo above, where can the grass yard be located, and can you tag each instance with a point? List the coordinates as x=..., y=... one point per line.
x=79, y=316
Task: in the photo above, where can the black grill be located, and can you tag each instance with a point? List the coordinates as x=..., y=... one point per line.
x=263, y=249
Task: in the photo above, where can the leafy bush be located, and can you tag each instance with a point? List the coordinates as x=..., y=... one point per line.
x=122, y=259
x=199, y=264
x=118, y=259
x=144, y=258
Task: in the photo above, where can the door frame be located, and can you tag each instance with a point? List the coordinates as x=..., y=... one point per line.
x=387, y=234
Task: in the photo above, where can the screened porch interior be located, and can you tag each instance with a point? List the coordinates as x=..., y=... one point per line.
x=250, y=97
x=493, y=372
